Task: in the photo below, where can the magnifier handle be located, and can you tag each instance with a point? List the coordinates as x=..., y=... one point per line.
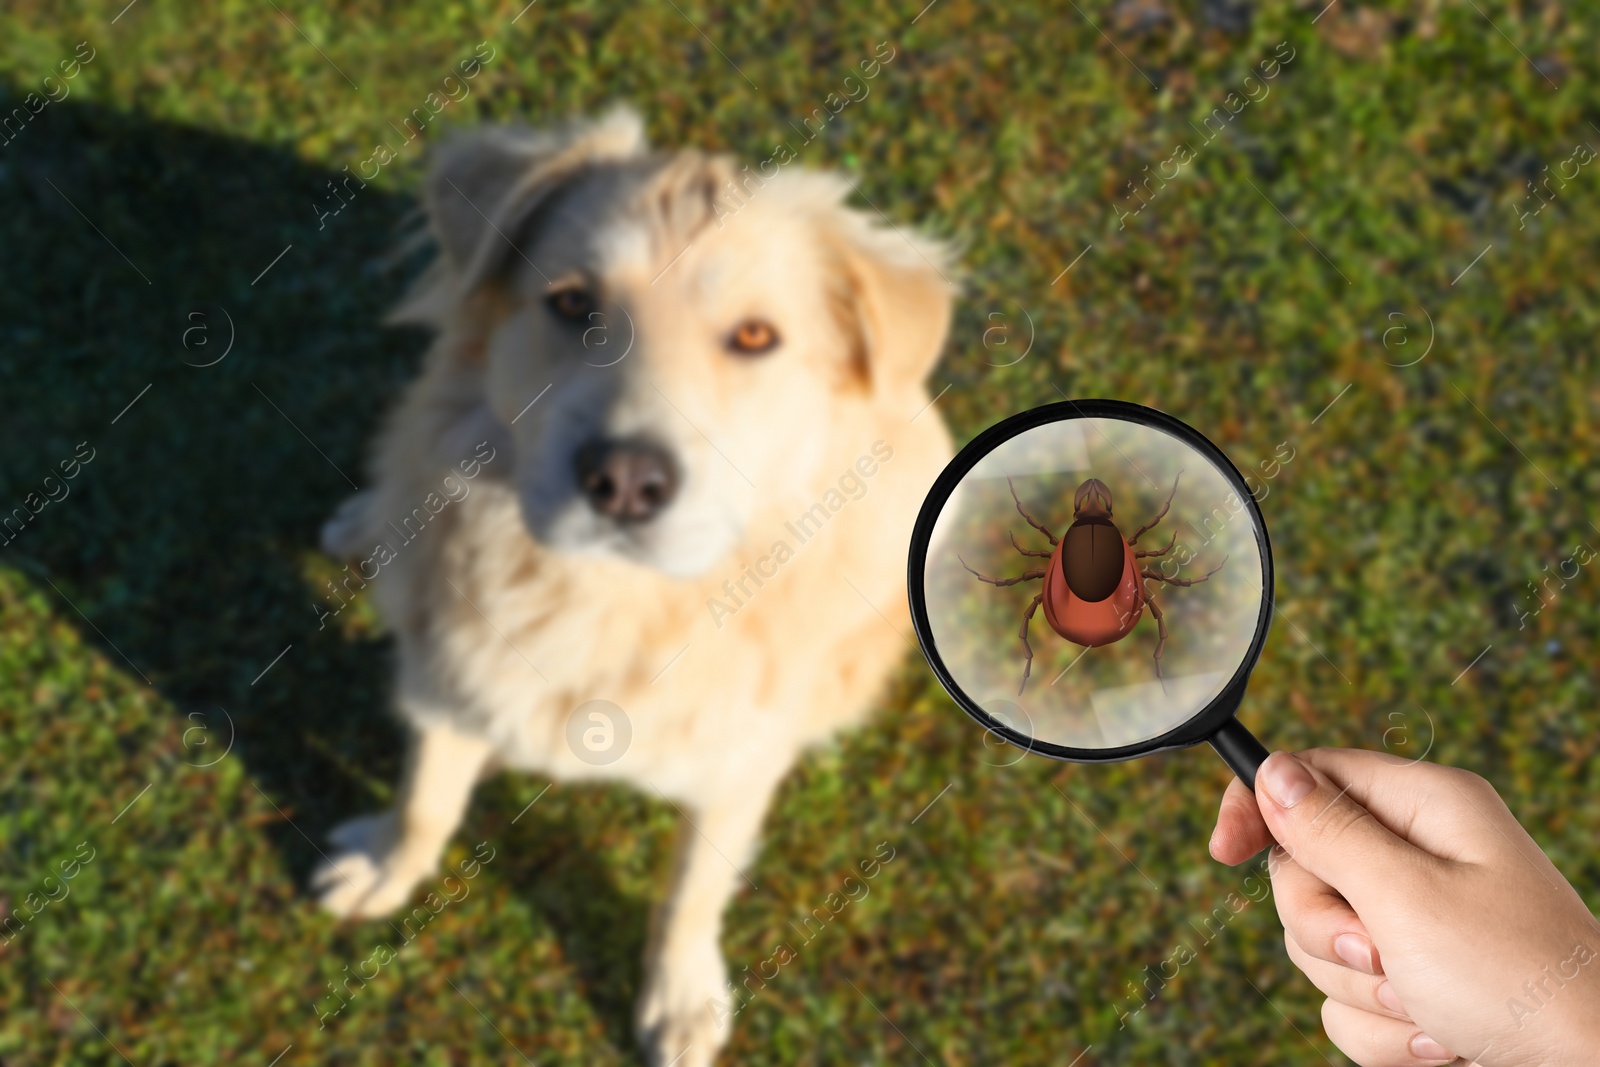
x=1240, y=750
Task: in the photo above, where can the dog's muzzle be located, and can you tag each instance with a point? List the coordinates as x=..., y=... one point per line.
x=626, y=481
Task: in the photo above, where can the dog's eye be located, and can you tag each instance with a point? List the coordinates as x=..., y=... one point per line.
x=574, y=305
x=752, y=337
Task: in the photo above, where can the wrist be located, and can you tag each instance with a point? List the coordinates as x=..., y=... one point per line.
x=1576, y=1026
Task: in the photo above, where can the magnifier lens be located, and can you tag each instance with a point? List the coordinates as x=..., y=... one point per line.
x=1094, y=583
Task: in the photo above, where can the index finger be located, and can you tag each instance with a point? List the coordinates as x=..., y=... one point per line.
x=1241, y=831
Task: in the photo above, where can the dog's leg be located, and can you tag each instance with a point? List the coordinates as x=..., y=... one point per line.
x=686, y=1013
x=384, y=856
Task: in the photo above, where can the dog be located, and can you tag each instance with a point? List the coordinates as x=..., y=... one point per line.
x=643, y=515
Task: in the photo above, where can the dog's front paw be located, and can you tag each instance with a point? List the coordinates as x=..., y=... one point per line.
x=361, y=881
x=686, y=1011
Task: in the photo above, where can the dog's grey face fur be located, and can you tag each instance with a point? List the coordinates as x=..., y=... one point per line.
x=653, y=365
x=719, y=339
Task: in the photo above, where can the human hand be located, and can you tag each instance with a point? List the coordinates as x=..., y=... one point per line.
x=1412, y=898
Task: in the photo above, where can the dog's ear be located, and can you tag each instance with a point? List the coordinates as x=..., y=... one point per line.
x=893, y=296
x=484, y=187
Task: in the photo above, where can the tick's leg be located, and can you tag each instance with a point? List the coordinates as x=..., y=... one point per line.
x=1027, y=649
x=1035, y=523
x=1029, y=576
x=1031, y=552
x=1159, y=515
x=1161, y=633
x=1158, y=552
x=1184, y=581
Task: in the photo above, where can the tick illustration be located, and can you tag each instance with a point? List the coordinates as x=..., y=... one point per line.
x=1095, y=588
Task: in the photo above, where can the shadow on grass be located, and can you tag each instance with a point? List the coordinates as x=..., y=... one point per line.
x=185, y=547
x=602, y=927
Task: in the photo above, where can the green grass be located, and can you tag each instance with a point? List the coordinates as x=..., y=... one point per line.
x=1251, y=292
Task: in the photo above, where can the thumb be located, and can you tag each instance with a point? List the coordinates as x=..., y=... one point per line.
x=1329, y=834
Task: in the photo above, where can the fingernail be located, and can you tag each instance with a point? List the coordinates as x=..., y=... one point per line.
x=1286, y=779
x=1426, y=1048
x=1356, y=951
x=1389, y=999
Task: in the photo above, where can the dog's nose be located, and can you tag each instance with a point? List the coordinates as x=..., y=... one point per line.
x=628, y=481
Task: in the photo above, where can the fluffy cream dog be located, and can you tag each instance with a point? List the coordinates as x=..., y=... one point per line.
x=691, y=399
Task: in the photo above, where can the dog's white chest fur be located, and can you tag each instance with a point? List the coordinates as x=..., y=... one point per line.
x=716, y=677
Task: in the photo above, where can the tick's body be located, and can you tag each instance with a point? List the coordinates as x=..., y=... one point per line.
x=1095, y=590
x=1080, y=610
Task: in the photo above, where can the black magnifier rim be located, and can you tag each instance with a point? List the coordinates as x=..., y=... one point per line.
x=1194, y=730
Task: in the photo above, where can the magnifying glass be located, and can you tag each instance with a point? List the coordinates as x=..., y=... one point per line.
x=1091, y=580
